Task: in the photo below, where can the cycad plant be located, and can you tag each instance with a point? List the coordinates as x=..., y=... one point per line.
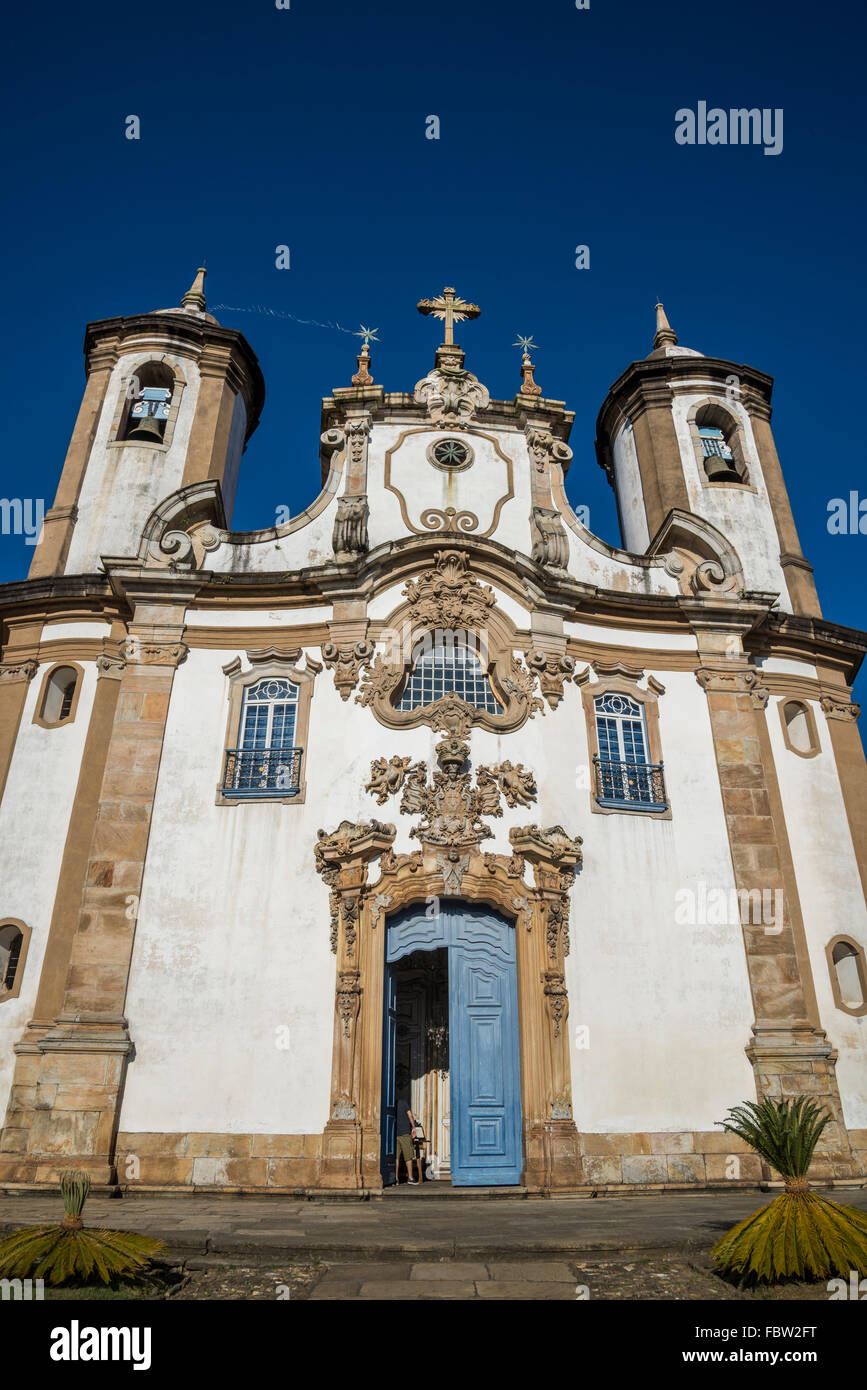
x=799, y=1234
x=69, y=1251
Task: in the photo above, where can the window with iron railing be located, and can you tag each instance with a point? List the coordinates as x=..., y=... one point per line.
x=625, y=777
x=268, y=762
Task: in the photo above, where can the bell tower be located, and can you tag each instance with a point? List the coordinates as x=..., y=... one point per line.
x=171, y=400
x=683, y=431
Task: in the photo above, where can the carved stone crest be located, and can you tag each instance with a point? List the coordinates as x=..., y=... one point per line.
x=451, y=393
x=450, y=807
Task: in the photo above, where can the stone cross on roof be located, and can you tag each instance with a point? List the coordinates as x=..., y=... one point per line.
x=450, y=307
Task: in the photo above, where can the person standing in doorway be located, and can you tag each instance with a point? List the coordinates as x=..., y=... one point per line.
x=404, y=1147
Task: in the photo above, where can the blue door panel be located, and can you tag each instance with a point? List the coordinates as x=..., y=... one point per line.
x=483, y=1038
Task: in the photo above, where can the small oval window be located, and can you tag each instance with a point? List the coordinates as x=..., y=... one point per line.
x=799, y=726
x=848, y=969
x=59, y=695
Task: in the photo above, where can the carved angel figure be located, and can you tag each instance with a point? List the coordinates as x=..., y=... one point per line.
x=386, y=778
x=517, y=784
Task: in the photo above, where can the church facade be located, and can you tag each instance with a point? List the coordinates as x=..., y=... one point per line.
x=426, y=791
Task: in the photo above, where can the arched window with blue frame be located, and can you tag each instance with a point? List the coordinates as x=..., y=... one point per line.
x=625, y=776
x=267, y=760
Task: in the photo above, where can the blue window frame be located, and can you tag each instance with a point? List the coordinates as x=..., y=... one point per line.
x=449, y=665
x=267, y=762
x=625, y=777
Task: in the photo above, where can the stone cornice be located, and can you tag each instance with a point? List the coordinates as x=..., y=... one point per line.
x=400, y=407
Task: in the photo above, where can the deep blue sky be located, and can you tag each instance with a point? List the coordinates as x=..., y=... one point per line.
x=307, y=127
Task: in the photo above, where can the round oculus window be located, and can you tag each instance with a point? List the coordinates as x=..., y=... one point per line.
x=450, y=454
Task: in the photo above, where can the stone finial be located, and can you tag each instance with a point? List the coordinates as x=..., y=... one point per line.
x=367, y=335
x=195, y=295
x=528, y=385
x=363, y=377
x=665, y=334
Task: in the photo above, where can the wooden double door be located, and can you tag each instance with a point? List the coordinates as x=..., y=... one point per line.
x=484, y=1067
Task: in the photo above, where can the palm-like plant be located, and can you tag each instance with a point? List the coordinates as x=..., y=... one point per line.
x=799, y=1234
x=69, y=1251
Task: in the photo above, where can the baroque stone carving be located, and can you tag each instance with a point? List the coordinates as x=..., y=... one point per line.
x=517, y=784
x=151, y=653
x=349, y=537
x=340, y=858
x=452, y=865
x=742, y=680
x=387, y=778
x=550, y=545
x=451, y=394
x=445, y=598
x=552, y=672
x=447, y=595
x=839, y=709
x=111, y=667
x=448, y=519
x=19, y=671
x=557, y=999
x=450, y=807
x=348, y=999
x=561, y=1107
x=545, y=447
x=347, y=663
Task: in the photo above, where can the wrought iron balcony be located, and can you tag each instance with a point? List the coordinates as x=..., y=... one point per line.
x=624, y=786
x=252, y=772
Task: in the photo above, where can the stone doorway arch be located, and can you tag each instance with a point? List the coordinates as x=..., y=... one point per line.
x=540, y=912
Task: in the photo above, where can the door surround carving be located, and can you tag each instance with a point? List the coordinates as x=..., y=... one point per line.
x=540, y=913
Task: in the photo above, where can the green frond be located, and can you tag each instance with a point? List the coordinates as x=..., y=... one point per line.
x=799, y=1235
x=783, y=1132
x=58, y=1256
x=74, y=1187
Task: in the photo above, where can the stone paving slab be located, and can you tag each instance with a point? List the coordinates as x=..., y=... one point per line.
x=451, y=1269
x=510, y=1289
x=546, y=1271
x=362, y=1273
x=397, y=1290
x=379, y=1231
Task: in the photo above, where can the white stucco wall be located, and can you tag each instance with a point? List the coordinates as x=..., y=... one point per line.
x=630, y=495
x=829, y=888
x=232, y=938
x=34, y=821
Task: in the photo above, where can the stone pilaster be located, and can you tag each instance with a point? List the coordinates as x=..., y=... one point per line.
x=789, y=1051
x=79, y=1062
